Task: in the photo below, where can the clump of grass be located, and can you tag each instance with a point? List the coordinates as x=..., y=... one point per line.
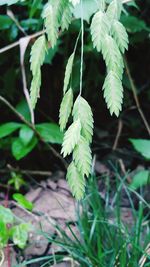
x=102, y=241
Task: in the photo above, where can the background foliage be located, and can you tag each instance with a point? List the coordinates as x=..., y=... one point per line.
x=17, y=139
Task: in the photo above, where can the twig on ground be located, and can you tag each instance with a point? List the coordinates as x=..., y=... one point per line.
x=123, y=169
x=31, y=126
x=134, y=91
x=30, y=172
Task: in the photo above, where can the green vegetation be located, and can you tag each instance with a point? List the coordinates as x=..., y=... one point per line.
x=102, y=237
x=75, y=99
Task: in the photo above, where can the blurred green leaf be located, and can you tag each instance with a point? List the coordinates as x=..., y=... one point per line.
x=142, y=146
x=16, y=180
x=35, y=5
x=5, y=22
x=8, y=128
x=19, y=234
x=22, y=201
x=29, y=24
x=134, y=24
x=50, y=132
x=140, y=179
x=26, y=134
x=23, y=109
x=3, y=234
x=6, y=215
x=19, y=150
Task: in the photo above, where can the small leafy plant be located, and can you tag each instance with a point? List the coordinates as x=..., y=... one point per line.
x=142, y=178
x=12, y=229
x=27, y=139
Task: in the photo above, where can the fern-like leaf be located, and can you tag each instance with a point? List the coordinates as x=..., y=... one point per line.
x=83, y=112
x=51, y=23
x=38, y=54
x=114, y=10
x=35, y=88
x=68, y=72
x=120, y=35
x=65, y=109
x=99, y=28
x=71, y=138
x=113, y=93
x=66, y=16
x=82, y=157
x=53, y=13
x=112, y=56
x=76, y=181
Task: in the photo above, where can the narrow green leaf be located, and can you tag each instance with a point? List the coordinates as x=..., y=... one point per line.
x=22, y=201
x=82, y=157
x=76, y=181
x=112, y=56
x=113, y=93
x=65, y=109
x=114, y=10
x=120, y=35
x=51, y=23
x=99, y=28
x=71, y=138
x=38, y=54
x=68, y=72
x=83, y=112
x=66, y=16
x=35, y=88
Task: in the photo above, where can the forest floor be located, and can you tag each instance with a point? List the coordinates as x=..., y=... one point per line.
x=54, y=204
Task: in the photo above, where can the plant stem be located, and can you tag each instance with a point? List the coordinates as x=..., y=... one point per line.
x=30, y=172
x=82, y=47
x=31, y=126
x=134, y=91
x=32, y=36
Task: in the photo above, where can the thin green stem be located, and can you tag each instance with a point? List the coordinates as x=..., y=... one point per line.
x=82, y=47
